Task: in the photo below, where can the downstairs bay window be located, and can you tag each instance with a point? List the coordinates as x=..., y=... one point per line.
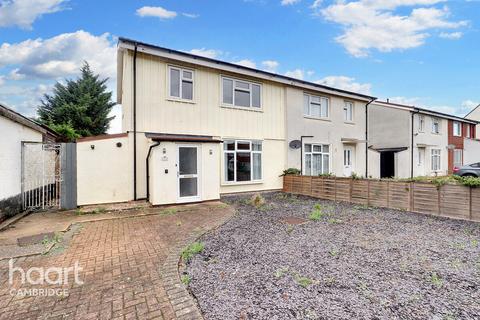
x=316, y=159
x=242, y=161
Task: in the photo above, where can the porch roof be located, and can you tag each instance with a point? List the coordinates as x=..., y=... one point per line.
x=182, y=138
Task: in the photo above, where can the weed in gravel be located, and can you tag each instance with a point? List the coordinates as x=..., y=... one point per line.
x=303, y=281
x=316, y=214
x=474, y=243
x=290, y=228
x=168, y=211
x=281, y=272
x=186, y=279
x=49, y=243
x=191, y=250
x=330, y=281
x=435, y=279
x=456, y=264
x=257, y=201
x=333, y=252
x=334, y=221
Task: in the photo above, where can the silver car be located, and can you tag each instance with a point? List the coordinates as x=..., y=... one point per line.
x=471, y=170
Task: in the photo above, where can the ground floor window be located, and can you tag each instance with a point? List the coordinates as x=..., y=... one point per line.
x=242, y=160
x=457, y=157
x=436, y=159
x=316, y=159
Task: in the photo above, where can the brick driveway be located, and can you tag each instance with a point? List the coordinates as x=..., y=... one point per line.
x=121, y=261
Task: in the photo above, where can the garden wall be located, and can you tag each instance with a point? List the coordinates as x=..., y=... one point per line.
x=452, y=201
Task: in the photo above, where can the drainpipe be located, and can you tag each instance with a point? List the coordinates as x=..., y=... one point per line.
x=366, y=136
x=148, y=167
x=135, y=123
x=301, y=152
x=412, y=136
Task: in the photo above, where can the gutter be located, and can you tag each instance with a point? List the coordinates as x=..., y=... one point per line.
x=366, y=136
x=148, y=167
x=135, y=123
x=417, y=111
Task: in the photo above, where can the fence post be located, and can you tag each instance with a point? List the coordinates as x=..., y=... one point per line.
x=388, y=194
x=335, y=187
x=411, y=201
x=351, y=190
x=368, y=192
x=439, y=201
x=470, y=213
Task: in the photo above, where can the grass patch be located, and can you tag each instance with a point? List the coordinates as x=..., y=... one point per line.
x=303, y=281
x=186, y=279
x=191, y=250
x=435, y=279
x=168, y=211
x=316, y=213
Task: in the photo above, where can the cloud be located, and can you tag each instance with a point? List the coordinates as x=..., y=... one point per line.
x=270, y=65
x=60, y=56
x=23, y=13
x=208, y=53
x=297, y=74
x=246, y=63
x=346, y=83
x=408, y=101
x=316, y=4
x=451, y=35
x=190, y=15
x=289, y=2
x=376, y=24
x=460, y=110
x=157, y=12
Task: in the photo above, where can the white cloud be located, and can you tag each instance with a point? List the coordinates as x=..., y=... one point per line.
x=316, y=4
x=451, y=35
x=408, y=101
x=270, y=65
x=346, y=83
x=2, y=80
x=23, y=13
x=116, y=123
x=157, y=12
x=246, y=63
x=190, y=15
x=208, y=53
x=375, y=24
x=289, y=2
x=60, y=56
x=297, y=74
x=459, y=110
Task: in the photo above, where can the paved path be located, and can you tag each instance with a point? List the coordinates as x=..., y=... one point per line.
x=123, y=261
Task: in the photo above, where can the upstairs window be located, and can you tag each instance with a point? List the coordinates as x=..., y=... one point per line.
x=242, y=160
x=421, y=123
x=348, y=111
x=468, y=131
x=457, y=129
x=241, y=93
x=436, y=159
x=435, y=125
x=315, y=106
x=181, y=83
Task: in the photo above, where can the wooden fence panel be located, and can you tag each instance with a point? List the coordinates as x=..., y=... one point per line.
x=378, y=195
x=399, y=195
x=360, y=191
x=454, y=201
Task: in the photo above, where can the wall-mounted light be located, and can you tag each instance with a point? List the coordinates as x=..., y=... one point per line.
x=119, y=144
x=211, y=152
x=92, y=146
x=164, y=150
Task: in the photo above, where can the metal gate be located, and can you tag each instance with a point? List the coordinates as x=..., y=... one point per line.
x=42, y=175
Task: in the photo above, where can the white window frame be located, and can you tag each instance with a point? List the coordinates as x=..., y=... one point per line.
x=457, y=129
x=436, y=154
x=234, y=152
x=181, y=70
x=468, y=130
x=421, y=123
x=312, y=152
x=249, y=90
x=309, y=113
x=436, y=121
x=455, y=153
x=348, y=105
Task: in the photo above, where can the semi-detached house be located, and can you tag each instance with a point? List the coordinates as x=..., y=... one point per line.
x=195, y=128
x=407, y=141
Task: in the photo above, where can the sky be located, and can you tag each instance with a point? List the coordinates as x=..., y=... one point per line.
x=418, y=52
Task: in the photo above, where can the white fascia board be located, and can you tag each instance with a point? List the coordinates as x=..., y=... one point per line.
x=238, y=70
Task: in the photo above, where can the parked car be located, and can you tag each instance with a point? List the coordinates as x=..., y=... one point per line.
x=471, y=170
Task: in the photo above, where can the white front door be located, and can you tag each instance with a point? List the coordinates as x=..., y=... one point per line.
x=421, y=162
x=188, y=173
x=348, y=163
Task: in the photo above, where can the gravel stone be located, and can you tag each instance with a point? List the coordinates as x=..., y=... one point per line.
x=354, y=263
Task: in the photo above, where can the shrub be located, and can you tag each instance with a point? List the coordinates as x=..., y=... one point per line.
x=191, y=250
x=290, y=171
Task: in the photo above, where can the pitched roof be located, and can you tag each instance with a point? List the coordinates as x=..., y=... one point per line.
x=218, y=64
x=21, y=119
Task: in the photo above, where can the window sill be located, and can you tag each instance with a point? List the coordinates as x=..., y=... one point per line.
x=349, y=122
x=317, y=118
x=242, y=183
x=253, y=109
x=181, y=100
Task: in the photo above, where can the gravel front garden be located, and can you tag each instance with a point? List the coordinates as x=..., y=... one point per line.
x=339, y=261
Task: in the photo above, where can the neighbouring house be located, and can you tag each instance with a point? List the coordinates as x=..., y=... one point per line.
x=195, y=128
x=407, y=141
x=15, y=130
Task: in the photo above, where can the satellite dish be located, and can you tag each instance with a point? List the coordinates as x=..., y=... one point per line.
x=295, y=144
